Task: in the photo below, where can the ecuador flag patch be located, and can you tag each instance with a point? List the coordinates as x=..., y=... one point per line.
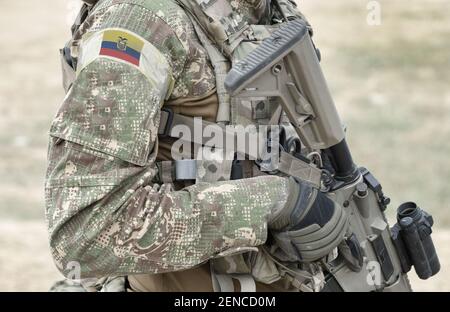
x=122, y=45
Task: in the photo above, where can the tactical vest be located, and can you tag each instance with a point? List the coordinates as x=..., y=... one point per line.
x=228, y=40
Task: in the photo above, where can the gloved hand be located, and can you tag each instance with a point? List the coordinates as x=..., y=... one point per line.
x=310, y=225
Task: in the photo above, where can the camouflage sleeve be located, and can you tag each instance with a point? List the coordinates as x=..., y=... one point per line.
x=102, y=209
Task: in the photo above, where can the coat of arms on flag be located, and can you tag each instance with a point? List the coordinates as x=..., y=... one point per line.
x=122, y=45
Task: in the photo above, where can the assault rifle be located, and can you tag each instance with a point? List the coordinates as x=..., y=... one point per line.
x=287, y=66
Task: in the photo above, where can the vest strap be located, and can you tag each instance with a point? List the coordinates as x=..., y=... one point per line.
x=221, y=67
x=224, y=282
x=288, y=164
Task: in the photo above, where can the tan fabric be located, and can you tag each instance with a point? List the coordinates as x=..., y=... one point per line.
x=194, y=280
x=204, y=106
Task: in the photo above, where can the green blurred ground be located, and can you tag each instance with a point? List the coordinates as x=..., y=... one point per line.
x=390, y=82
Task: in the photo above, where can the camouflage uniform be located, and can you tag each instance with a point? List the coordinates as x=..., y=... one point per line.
x=104, y=206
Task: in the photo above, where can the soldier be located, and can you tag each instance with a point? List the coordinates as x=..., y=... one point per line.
x=114, y=204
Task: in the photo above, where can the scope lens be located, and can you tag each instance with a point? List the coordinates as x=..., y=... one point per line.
x=408, y=209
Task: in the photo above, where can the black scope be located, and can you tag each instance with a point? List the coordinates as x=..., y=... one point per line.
x=414, y=228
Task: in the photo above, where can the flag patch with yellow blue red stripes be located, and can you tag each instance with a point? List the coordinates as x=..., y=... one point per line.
x=128, y=48
x=122, y=45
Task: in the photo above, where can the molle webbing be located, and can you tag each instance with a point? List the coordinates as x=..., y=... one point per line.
x=221, y=67
x=212, y=35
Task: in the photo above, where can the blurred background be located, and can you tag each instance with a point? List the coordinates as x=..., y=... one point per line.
x=390, y=76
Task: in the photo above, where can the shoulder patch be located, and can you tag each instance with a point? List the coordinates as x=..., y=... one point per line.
x=129, y=48
x=122, y=45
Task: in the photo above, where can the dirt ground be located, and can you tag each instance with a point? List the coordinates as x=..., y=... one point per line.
x=390, y=83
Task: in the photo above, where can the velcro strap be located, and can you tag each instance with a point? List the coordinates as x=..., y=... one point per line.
x=169, y=120
x=165, y=171
x=224, y=282
x=297, y=168
x=185, y=169
x=247, y=282
x=177, y=170
x=165, y=122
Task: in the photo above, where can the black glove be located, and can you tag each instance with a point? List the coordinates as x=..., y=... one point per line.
x=310, y=225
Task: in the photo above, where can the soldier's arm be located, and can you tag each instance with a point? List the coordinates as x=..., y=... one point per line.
x=102, y=208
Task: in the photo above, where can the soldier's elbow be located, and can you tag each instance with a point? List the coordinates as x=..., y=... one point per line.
x=72, y=258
